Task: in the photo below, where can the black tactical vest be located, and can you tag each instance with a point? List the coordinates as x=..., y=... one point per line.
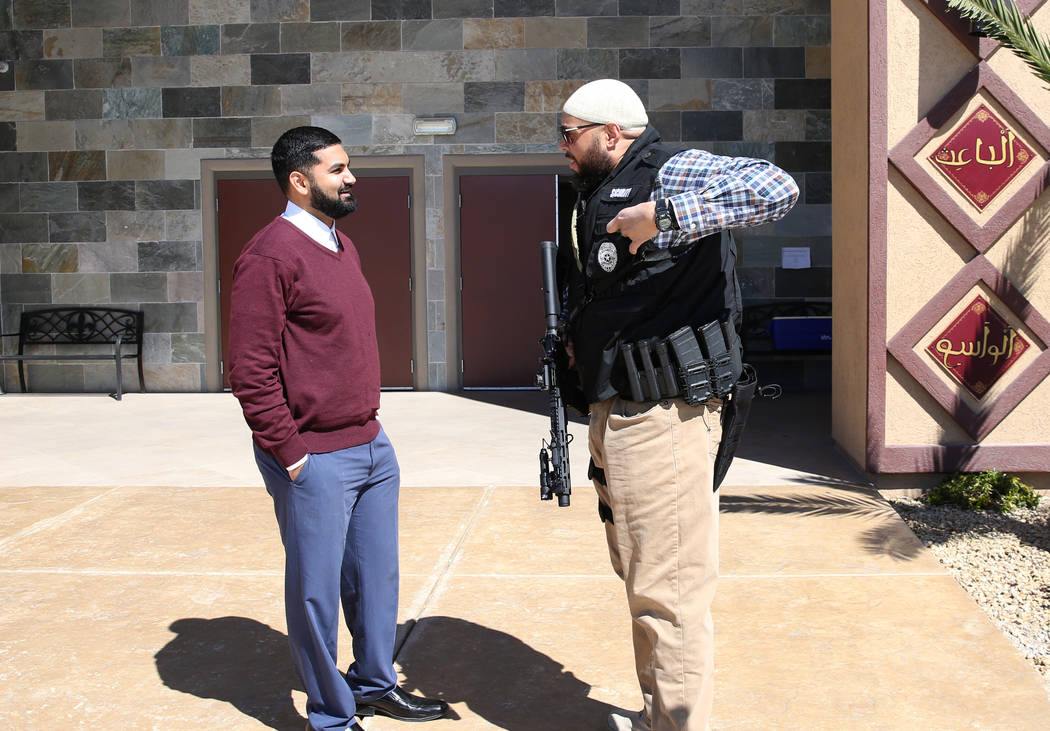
x=619, y=297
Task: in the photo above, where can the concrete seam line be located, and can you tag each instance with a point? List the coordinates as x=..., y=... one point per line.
x=56, y=520
x=611, y=577
x=893, y=575
x=443, y=568
x=143, y=572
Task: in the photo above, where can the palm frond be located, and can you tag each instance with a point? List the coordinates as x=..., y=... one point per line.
x=1001, y=20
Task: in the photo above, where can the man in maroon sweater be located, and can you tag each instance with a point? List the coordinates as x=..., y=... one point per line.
x=305, y=366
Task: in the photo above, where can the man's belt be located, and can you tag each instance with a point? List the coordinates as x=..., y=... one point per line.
x=682, y=366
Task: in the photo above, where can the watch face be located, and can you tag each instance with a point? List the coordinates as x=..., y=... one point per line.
x=663, y=217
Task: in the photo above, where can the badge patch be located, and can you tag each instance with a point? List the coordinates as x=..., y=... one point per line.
x=620, y=193
x=607, y=256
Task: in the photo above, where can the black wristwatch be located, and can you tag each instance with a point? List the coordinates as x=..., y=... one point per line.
x=664, y=216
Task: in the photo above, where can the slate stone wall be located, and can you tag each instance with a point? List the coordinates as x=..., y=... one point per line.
x=108, y=106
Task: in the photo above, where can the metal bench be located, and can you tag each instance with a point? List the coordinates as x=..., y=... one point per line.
x=62, y=326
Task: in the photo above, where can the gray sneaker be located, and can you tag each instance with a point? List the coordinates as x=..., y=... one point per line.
x=628, y=721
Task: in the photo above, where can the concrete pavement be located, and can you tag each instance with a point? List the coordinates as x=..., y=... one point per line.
x=142, y=580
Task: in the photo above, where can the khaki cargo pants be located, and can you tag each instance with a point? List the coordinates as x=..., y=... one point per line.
x=658, y=460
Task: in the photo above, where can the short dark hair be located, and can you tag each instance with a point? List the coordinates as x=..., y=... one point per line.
x=294, y=151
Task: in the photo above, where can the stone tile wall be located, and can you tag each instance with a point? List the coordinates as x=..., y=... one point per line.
x=108, y=106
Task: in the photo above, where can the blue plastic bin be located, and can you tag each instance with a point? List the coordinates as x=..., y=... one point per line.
x=801, y=333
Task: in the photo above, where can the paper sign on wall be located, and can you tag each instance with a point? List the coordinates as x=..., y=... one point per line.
x=794, y=257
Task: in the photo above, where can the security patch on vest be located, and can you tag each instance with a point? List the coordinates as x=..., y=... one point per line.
x=620, y=194
x=607, y=256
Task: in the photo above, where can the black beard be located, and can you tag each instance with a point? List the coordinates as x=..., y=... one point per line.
x=590, y=176
x=333, y=207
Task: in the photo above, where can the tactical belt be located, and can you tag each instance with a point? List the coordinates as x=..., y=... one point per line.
x=682, y=366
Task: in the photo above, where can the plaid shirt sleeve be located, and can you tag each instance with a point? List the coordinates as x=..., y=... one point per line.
x=711, y=192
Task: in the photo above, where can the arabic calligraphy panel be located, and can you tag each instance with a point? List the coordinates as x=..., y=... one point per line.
x=915, y=156
x=981, y=156
x=978, y=347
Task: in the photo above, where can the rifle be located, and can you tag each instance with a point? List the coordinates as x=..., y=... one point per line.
x=554, y=464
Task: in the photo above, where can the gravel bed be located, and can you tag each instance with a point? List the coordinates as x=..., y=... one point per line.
x=1003, y=561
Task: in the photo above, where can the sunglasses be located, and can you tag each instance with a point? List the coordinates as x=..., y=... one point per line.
x=565, y=131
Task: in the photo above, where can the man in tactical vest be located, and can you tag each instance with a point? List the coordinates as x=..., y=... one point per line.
x=652, y=318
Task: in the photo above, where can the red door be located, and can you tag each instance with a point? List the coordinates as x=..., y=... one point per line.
x=381, y=231
x=503, y=219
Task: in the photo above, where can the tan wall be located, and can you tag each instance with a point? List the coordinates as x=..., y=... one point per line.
x=849, y=170
x=924, y=61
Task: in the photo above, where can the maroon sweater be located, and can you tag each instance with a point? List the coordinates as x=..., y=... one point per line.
x=303, y=356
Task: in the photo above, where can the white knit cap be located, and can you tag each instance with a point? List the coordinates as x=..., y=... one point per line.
x=607, y=100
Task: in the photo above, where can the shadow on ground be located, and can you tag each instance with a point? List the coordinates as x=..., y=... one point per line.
x=531, y=401
x=498, y=677
x=236, y=660
x=886, y=536
x=792, y=432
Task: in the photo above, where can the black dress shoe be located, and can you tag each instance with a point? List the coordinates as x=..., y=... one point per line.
x=354, y=726
x=403, y=706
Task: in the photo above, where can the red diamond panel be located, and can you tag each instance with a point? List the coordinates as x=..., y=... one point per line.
x=903, y=157
x=970, y=160
x=978, y=347
x=977, y=422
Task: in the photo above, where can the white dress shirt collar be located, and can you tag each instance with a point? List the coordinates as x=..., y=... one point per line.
x=312, y=226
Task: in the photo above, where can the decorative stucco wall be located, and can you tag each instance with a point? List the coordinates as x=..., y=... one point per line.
x=951, y=235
